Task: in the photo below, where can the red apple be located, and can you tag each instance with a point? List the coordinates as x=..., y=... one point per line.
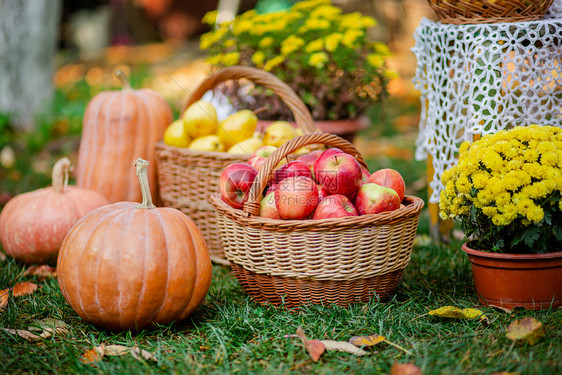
x=325, y=154
x=259, y=156
x=335, y=205
x=372, y=199
x=309, y=159
x=322, y=193
x=366, y=175
x=270, y=189
x=339, y=173
x=235, y=183
x=291, y=169
x=268, y=208
x=296, y=197
x=389, y=178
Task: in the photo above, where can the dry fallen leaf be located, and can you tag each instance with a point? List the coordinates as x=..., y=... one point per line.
x=527, y=330
x=93, y=355
x=455, y=312
x=116, y=350
x=343, y=346
x=314, y=347
x=4, y=295
x=48, y=327
x=405, y=369
x=372, y=340
x=97, y=353
x=23, y=333
x=23, y=288
x=504, y=309
x=42, y=272
x=139, y=354
x=367, y=341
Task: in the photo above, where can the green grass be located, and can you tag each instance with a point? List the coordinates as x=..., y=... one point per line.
x=230, y=333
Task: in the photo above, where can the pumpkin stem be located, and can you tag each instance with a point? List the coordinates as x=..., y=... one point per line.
x=123, y=78
x=59, y=175
x=142, y=174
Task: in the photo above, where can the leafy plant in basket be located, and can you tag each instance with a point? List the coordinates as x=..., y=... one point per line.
x=506, y=191
x=325, y=56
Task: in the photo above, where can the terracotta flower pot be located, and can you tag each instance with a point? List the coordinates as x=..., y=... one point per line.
x=532, y=281
x=344, y=128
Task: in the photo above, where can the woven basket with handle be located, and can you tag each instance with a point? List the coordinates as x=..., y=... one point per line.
x=297, y=262
x=187, y=177
x=461, y=12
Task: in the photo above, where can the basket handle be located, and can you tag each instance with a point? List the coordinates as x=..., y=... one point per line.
x=252, y=205
x=302, y=115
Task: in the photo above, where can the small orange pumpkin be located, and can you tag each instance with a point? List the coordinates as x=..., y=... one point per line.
x=125, y=265
x=118, y=126
x=33, y=224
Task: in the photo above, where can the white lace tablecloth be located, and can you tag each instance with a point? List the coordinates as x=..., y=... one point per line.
x=478, y=79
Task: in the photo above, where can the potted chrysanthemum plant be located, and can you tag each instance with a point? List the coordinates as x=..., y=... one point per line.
x=505, y=191
x=326, y=56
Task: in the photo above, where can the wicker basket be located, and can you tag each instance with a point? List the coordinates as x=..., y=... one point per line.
x=187, y=177
x=461, y=12
x=296, y=262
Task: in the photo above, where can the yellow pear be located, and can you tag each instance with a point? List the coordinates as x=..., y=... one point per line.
x=302, y=151
x=237, y=127
x=200, y=119
x=246, y=147
x=207, y=143
x=278, y=133
x=176, y=134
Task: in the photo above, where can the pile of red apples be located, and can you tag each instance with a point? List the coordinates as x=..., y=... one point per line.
x=317, y=185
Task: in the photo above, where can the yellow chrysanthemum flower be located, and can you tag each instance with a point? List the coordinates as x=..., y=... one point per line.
x=242, y=26
x=309, y=5
x=316, y=24
x=266, y=42
x=463, y=185
x=333, y=41
x=230, y=58
x=318, y=59
x=315, y=46
x=208, y=39
x=534, y=214
x=274, y=62
x=214, y=60
x=375, y=60
x=291, y=44
x=381, y=49
x=350, y=36
x=351, y=21
x=328, y=12
x=210, y=17
x=480, y=179
x=258, y=58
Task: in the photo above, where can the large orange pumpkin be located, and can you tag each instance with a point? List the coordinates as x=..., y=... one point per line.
x=127, y=265
x=33, y=224
x=119, y=126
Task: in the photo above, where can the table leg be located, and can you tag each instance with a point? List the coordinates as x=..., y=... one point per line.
x=439, y=230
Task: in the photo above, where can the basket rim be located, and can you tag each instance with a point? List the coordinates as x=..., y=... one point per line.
x=462, y=12
x=185, y=151
x=460, y=20
x=413, y=206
